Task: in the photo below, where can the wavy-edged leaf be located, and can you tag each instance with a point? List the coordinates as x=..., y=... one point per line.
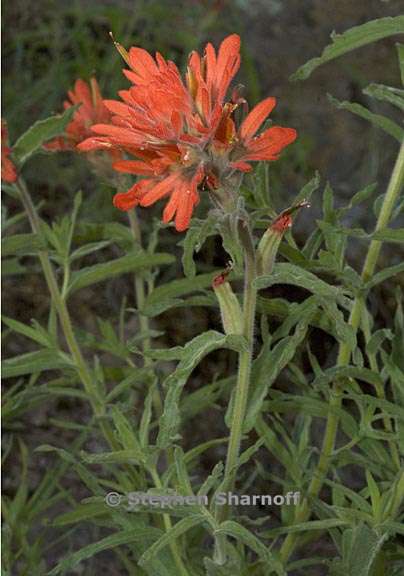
x=81, y=513
x=244, y=535
x=118, y=539
x=377, y=119
x=39, y=133
x=35, y=362
x=20, y=244
x=308, y=189
x=193, y=353
x=129, y=456
x=351, y=39
x=285, y=273
x=163, y=297
x=390, y=235
x=384, y=275
x=389, y=94
x=196, y=235
x=269, y=364
x=400, y=54
x=170, y=536
x=129, y=263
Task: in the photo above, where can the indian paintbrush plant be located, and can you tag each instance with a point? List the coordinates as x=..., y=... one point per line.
x=193, y=141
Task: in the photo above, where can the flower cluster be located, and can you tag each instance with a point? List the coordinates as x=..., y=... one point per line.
x=91, y=111
x=180, y=135
x=8, y=170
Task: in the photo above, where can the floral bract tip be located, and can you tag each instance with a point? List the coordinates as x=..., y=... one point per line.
x=8, y=169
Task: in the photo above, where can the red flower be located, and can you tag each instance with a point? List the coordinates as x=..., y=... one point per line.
x=91, y=111
x=183, y=134
x=8, y=170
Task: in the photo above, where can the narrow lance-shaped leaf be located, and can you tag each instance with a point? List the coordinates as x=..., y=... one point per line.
x=350, y=40
x=129, y=263
x=165, y=296
x=386, y=94
x=270, y=365
x=400, y=53
x=39, y=133
x=285, y=273
x=390, y=235
x=20, y=244
x=377, y=119
x=194, y=351
x=244, y=535
x=35, y=362
x=177, y=530
x=118, y=539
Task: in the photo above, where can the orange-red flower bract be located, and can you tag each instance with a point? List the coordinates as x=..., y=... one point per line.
x=182, y=135
x=8, y=170
x=91, y=111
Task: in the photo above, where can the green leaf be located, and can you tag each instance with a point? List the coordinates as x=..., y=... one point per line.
x=306, y=526
x=341, y=372
x=350, y=40
x=126, y=434
x=386, y=94
x=377, y=119
x=20, y=244
x=171, y=535
x=11, y=267
x=364, y=545
x=384, y=275
x=343, y=330
x=193, y=353
x=145, y=421
x=376, y=340
x=308, y=189
x=81, y=513
x=285, y=273
x=39, y=133
x=129, y=456
x=374, y=496
x=196, y=235
x=35, y=333
x=163, y=297
x=268, y=366
x=35, y=362
x=89, y=249
x=129, y=263
x=400, y=53
x=390, y=235
x=241, y=534
x=118, y=539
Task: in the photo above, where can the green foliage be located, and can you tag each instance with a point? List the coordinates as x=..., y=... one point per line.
x=350, y=40
x=170, y=399
x=38, y=134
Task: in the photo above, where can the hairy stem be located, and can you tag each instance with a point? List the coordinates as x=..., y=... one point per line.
x=140, y=299
x=244, y=369
x=82, y=369
x=344, y=355
x=168, y=525
x=60, y=305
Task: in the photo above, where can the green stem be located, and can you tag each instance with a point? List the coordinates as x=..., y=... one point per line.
x=168, y=526
x=304, y=510
x=140, y=300
x=60, y=305
x=82, y=369
x=244, y=371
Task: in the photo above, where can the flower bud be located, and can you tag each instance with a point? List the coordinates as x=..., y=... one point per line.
x=269, y=244
x=230, y=308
